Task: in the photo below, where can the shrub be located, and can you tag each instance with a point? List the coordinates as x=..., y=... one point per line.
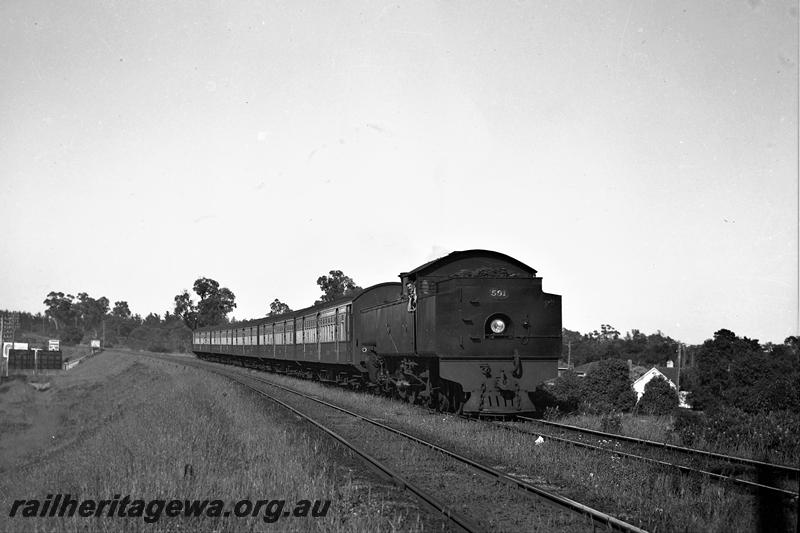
x=170, y=337
x=608, y=388
x=611, y=422
x=563, y=394
x=775, y=433
x=659, y=397
x=737, y=372
x=689, y=426
x=568, y=392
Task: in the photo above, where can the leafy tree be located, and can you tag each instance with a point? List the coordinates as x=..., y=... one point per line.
x=212, y=309
x=120, y=322
x=607, y=344
x=60, y=309
x=335, y=285
x=91, y=311
x=277, y=308
x=568, y=392
x=659, y=397
x=185, y=308
x=121, y=310
x=726, y=364
x=152, y=320
x=607, y=333
x=29, y=323
x=608, y=387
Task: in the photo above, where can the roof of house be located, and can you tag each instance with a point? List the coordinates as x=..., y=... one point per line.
x=585, y=369
x=670, y=373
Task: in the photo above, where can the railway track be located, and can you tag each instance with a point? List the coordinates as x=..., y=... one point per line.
x=702, y=462
x=511, y=497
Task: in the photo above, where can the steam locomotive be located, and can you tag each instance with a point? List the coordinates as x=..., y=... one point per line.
x=472, y=332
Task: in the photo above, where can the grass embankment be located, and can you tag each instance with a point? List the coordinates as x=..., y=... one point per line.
x=655, y=499
x=154, y=430
x=71, y=353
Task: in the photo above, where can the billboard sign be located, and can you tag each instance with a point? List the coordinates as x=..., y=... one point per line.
x=53, y=345
x=95, y=343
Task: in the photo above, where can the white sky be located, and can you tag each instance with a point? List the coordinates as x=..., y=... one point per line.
x=641, y=155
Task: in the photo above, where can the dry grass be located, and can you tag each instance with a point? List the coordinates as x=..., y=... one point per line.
x=661, y=429
x=74, y=352
x=650, y=498
x=160, y=431
x=656, y=428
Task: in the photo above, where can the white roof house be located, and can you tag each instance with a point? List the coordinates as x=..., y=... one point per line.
x=669, y=373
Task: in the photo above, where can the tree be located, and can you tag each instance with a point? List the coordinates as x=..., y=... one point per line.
x=277, y=308
x=205, y=287
x=121, y=320
x=335, y=285
x=60, y=309
x=568, y=392
x=91, y=312
x=608, y=344
x=212, y=309
x=608, y=387
x=659, y=397
x=185, y=308
x=152, y=320
x=726, y=367
x=121, y=310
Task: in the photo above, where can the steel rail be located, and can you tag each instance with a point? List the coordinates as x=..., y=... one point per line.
x=464, y=523
x=789, y=470
x=682, y=468
x=457, y=518
x=596, y=516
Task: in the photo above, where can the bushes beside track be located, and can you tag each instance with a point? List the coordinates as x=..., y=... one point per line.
x=172, y=336
x=606, y=389
x=774, y=435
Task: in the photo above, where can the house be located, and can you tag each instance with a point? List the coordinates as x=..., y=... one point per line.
x=669, y=372
x=582, y=370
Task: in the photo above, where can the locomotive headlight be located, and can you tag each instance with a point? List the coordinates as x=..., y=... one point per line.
x=498, y=326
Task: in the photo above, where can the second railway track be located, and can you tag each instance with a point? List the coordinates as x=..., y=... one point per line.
x=474, y=496
x=754, y=475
